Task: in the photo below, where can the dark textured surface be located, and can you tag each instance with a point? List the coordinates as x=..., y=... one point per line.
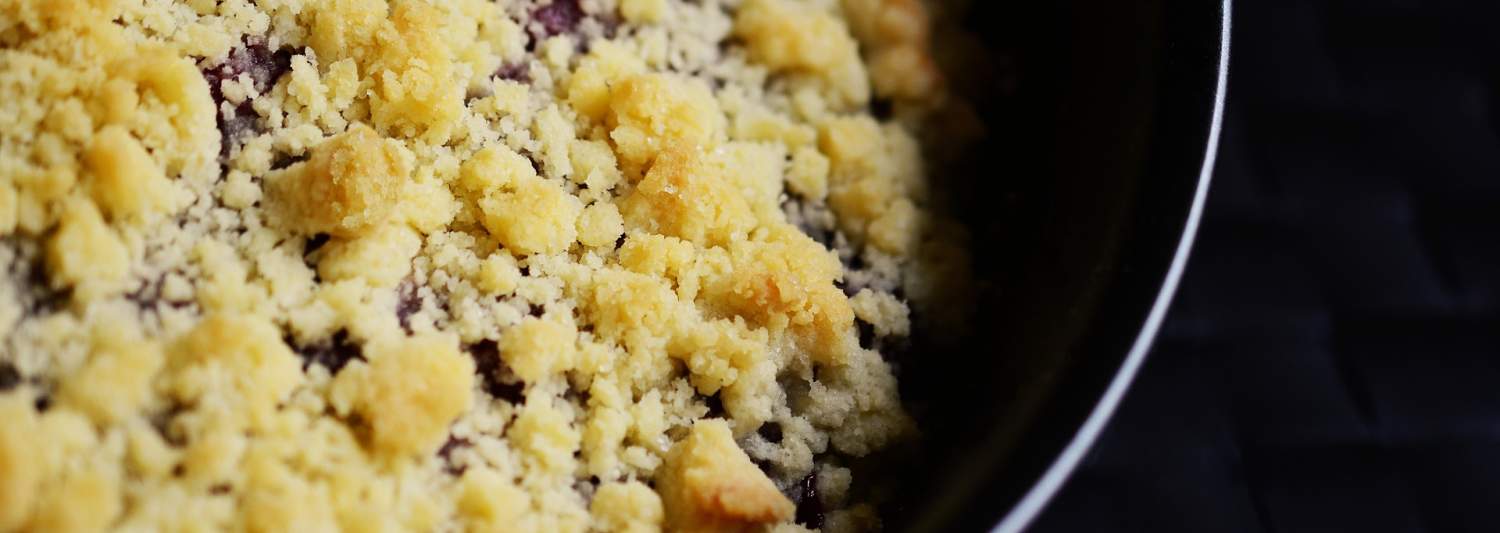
x=1332, y=362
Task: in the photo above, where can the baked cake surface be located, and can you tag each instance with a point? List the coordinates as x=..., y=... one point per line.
x=531, y=265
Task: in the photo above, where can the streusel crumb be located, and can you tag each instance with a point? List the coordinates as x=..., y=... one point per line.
x=526, y=265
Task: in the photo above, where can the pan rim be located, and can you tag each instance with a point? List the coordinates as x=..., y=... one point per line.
x=1042, y=492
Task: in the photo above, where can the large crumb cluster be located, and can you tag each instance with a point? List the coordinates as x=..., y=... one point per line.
x=527, y=265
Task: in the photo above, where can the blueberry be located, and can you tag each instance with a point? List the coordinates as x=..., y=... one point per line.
x=254, y=58
x=558, y=17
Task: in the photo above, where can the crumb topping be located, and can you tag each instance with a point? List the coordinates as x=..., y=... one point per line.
x=709, y=484
x=531, y=265
x=350, y=183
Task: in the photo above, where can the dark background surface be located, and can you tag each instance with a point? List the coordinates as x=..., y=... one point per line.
x=1332, y=360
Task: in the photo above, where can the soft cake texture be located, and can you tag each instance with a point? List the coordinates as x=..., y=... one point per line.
x=526, y=265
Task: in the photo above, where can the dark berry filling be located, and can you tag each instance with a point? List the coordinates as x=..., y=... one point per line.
x=517, y=72
x=313, y=243
x=281, y=160
x=408, y=302
x=882, y=108
x=771, y=431
x=558, y=17
x=894, y=349
x=9, y=376
x=866, y=334
x=586, y=488
x=445, y=453
x=824, y=236
x=264, y=66
x=162, y=422
x=149, y=296
x=809, y=505
x=577, y=397
x=332, y=353
x=495, y=377
x=38, y=296
x=715, y=406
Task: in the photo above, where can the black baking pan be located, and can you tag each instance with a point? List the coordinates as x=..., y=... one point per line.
x=1101, y=124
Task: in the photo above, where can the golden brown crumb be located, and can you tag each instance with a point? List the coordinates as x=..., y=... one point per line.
x=349, y=184
x=709, y=485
